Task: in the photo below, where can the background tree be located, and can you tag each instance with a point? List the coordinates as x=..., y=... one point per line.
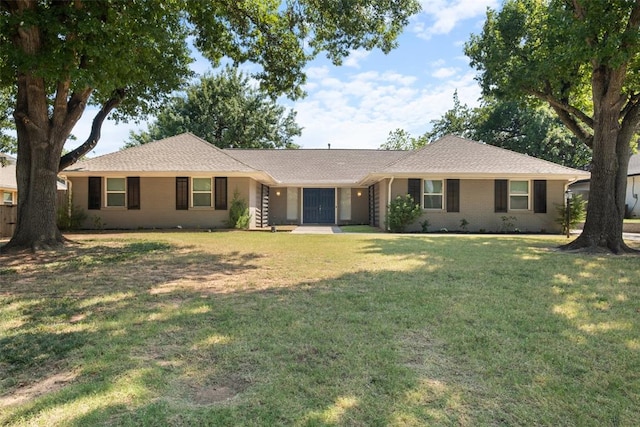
x=582, y=58
x=226, y=110
x=59, y=56
x=400, y=139
x=521, y=127
x=455, y=121
x=529, y=129
x=7, y=141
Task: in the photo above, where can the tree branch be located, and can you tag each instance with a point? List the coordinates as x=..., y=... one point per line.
x=73, y=156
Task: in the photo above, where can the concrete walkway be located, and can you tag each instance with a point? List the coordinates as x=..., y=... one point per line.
x=317, y=229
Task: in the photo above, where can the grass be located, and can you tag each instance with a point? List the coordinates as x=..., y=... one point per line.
x=316, y=330
x=360, y=229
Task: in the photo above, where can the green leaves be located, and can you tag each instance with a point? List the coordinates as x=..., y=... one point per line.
x=228, y=111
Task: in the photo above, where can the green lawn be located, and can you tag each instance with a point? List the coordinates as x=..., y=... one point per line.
x=239, y=328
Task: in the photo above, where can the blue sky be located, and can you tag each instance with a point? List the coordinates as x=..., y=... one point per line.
x=357, y=104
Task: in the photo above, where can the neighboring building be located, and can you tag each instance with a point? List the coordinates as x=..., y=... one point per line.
x=8, y=186
x=633, y=188
x=185, y=181
x=9, y=194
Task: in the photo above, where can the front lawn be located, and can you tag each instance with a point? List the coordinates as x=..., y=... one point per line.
x=239, y=328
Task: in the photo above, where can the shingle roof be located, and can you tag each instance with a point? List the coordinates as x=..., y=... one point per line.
x=320, y=167
x=457, y=156
x=634, y=165
x=181, y=153
x=451, y=156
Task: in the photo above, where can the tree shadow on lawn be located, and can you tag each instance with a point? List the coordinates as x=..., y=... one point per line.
x=424, y=346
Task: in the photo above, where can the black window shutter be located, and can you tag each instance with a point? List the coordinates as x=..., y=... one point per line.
x=221, y=193
x=182, y=193
x=453, y=195
x=133, y=192
x=415, y=190
x=95, y=192
x=540, y=196
x=501, y=195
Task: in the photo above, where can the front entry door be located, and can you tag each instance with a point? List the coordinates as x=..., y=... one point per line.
x=319, y=206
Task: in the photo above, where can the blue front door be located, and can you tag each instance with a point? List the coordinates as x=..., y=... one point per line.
x=319, y=206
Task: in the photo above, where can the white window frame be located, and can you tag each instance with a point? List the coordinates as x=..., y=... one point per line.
x=431, y=194
x=8, y=200
x=513, y=194
x=108, y=192
x=194, y=191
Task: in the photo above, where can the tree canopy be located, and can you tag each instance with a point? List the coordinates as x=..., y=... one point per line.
x=227, y=110
x=127, y=56
x=527, y=128
x=581, y=58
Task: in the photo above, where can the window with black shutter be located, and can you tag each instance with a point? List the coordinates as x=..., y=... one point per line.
x=95, y=192
x=501, y=195
x=133, y=192
x=182, y=193
x=221, y=193
x=414, y=189
x=540, y=196
x=453, y=195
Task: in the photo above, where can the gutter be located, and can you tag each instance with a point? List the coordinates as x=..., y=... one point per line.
x=389, y=198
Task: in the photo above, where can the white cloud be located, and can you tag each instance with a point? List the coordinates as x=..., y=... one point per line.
x=444, y=72
x=354, y=58
x=444, y=15
x=360, y=111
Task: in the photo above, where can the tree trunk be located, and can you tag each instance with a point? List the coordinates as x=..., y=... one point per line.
x=611, y=152
x=37, y=170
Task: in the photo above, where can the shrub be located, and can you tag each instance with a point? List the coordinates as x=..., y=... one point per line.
x=239, y=216
x=577, y=214
x=401, y=212
x=70, y=217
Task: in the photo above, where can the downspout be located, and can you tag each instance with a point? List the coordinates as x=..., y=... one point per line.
x=633, y=194
x=389, y=200
x=69, y=194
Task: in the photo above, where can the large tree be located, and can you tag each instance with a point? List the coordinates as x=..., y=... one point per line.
x=582, y=58
x=529, y=129
x=124, y=56
x=227, y=110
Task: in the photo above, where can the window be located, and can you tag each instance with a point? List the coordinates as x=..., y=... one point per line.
x=432, y=194
x=221, y=193
x=7, y=198
x=116, y=191
x=201, y=193
x=519, y=195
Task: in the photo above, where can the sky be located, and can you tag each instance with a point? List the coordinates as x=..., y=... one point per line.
x=357, y=104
